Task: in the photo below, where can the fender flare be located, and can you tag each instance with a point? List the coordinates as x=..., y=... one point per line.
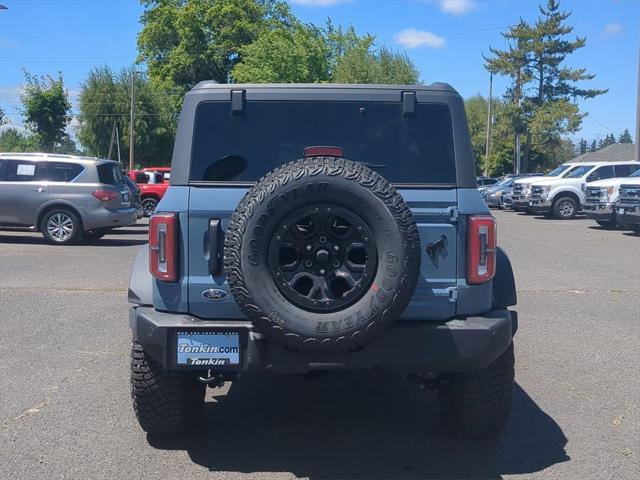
x=504, y=284
x=141, y=282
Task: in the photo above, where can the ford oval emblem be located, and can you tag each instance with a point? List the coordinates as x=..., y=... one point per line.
x=214, y=294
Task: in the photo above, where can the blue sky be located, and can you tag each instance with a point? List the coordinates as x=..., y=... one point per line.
x=445, y=38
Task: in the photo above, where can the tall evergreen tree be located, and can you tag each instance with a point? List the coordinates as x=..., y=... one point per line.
x=583, y=146
x=543, y=87
x=625, y=137
x=593, y=146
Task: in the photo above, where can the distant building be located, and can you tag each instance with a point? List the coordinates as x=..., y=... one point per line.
x=616, y=152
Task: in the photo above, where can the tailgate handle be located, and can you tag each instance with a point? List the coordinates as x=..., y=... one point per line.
x=216, y=241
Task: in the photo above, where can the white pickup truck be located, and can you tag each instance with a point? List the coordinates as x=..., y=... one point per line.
x=522, y=187
x=601, y=197
x=628, y=205
x=563, y=197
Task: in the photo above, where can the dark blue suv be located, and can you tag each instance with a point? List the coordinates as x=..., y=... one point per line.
x=318, y=227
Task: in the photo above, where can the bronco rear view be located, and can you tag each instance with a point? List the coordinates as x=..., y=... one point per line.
x=319, y=227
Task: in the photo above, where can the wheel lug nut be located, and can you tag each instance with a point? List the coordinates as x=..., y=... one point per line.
x=308, y=263
x=322, y=239
x=336, y=264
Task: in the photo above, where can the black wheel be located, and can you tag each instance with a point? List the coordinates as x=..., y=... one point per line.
x=60, y=226
x=93, y=235
x=164, y=402
x=478, y=404
x=565, y=208
x=321, y=254
x=149, y=206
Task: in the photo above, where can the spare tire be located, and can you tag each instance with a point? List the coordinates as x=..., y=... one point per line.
x=321, y=254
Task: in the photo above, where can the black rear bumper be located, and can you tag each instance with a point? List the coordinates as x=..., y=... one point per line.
x=456, y=345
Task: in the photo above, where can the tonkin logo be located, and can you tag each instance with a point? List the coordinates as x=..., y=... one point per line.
x=214, y=294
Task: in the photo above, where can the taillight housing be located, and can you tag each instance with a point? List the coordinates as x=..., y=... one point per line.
x=105, y=195
x=163, y=246
x=481, y=248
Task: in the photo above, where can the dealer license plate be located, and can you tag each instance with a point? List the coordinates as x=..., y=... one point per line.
x=208, y=349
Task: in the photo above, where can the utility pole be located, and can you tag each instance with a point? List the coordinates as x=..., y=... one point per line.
x=118, y=142
x=131, y=120
x=113, y=137
x=488, y=142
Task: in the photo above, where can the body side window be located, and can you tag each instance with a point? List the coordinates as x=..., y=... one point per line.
x=24, y=171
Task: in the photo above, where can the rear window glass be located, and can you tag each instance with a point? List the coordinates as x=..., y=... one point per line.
x=109, y=173
x=63, y=172
x=242, y=148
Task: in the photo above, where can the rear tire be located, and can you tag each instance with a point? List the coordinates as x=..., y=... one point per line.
x=164, y=402
x=478, y=404
x=565, y=208
x=60, y=226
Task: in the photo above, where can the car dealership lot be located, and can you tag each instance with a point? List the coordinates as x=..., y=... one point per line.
x=65, y=410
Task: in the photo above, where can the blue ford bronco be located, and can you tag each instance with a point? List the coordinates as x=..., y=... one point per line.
x=317, y=227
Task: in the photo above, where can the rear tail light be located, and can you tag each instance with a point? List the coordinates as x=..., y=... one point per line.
x=163, y=246
x=481, y=249
x=105, y=195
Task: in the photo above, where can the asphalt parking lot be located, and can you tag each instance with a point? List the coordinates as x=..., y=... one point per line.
x=64, y=378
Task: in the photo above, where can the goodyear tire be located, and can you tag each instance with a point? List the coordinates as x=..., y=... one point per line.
x=321, y=254
x=478, y=404
x=164, y=402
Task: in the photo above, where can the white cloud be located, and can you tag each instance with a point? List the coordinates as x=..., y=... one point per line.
x=612, y=29
x=458, y=7
x=319, y=3
x=412, y=38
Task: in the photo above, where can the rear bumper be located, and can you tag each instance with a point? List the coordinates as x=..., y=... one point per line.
x=602, y=212
x=105, y=218
x=455, y=345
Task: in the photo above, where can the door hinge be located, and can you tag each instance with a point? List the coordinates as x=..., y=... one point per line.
x=453, y=294
x=454, y=213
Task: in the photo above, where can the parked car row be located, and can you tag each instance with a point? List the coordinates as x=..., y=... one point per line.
x=68, y=198
x=607, y=192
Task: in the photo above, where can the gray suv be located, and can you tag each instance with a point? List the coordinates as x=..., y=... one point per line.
x=322, y=227
x=65, y=197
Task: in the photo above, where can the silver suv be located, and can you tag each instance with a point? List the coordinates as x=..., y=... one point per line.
x=63, y=196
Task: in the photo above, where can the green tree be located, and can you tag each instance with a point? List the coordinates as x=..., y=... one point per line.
x=583, y=146
x=183, y=42
x=625, y=137
x=286, y=55
x=105, y=102
x=46, y=109
x=3, y=118
x=593, y=147
x=545, y=88
x=499, y=161
x=363, y=64
x=13, y=140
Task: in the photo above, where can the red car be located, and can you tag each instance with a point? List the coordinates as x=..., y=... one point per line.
x=152, y=186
